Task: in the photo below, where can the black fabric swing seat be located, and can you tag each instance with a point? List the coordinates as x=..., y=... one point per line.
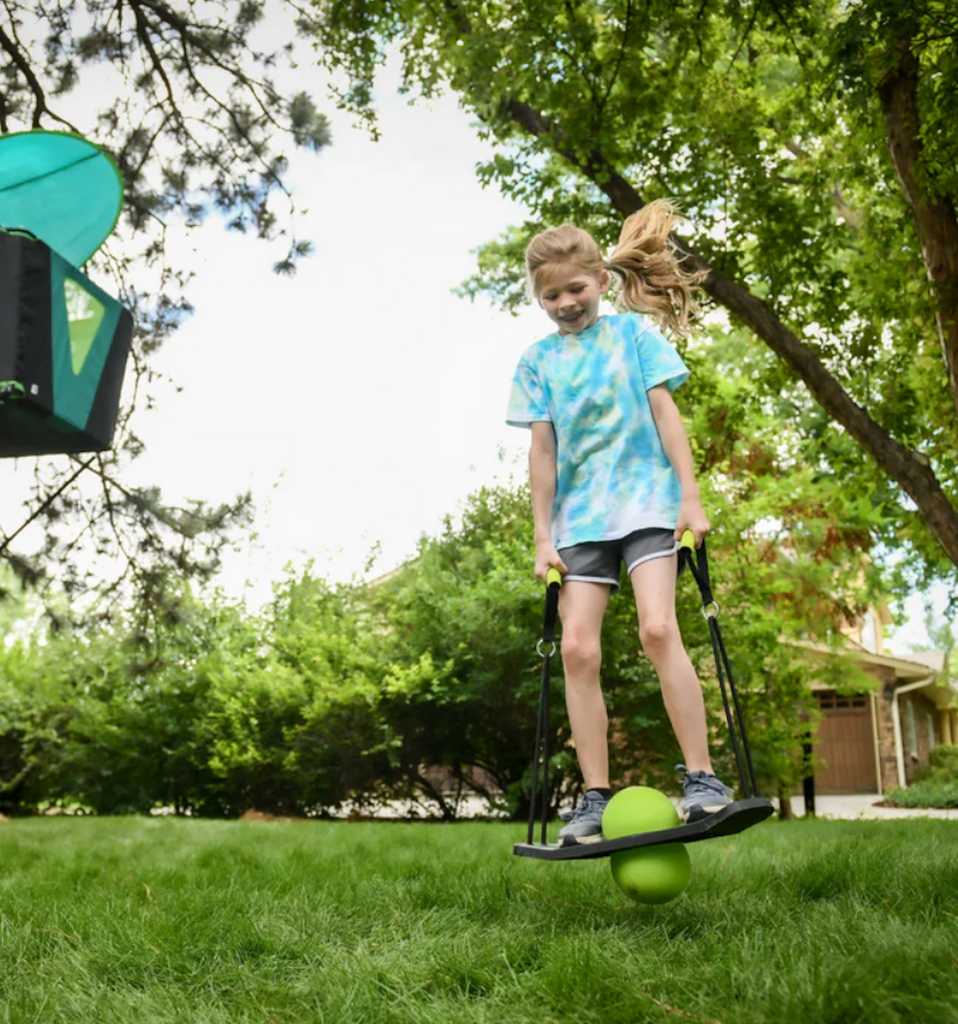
x=64, y=344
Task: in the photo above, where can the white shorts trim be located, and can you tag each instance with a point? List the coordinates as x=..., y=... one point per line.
x=591, y=579
x=648, y=558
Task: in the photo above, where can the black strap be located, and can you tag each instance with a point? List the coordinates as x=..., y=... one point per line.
x=546, y=649
x=699, y=568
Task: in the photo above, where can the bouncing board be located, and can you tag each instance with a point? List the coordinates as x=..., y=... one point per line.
x=729, y=821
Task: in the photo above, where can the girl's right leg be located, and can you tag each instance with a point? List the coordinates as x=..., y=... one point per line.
x=581, y=608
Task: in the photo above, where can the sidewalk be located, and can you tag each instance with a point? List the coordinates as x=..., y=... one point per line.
x=853, y=807
x=858, y=806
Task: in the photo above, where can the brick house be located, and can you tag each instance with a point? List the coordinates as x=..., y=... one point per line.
x=876, y=741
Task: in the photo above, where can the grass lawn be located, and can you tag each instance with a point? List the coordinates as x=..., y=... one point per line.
x=160, y=920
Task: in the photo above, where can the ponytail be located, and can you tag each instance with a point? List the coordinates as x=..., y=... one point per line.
x=649, y=270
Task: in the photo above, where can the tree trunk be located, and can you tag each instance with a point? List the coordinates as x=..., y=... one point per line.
x=784, y=805
x=936, y=219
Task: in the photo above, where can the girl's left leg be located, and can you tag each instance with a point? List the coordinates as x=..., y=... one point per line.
x=653, y=582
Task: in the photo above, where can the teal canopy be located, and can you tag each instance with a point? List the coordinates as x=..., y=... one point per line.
x=62, y=188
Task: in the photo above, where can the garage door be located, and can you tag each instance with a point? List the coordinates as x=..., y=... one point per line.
x=846, y=744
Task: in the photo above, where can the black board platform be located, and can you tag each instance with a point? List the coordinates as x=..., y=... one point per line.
x=729, y=821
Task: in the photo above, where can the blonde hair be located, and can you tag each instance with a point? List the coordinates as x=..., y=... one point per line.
x=644, y=261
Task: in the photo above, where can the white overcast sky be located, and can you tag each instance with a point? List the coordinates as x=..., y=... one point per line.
x=360, y=400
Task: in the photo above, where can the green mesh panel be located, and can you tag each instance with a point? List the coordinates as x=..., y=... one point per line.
x=84, y=316
x=83, y=321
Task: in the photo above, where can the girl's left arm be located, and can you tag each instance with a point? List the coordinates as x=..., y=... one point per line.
x=675, y=441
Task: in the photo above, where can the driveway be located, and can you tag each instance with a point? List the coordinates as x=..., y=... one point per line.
x=862, y=805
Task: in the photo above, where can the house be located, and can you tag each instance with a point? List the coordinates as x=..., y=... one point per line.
x=876, y=741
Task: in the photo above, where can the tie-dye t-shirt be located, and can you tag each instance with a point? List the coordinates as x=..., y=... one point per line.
x=613, y=476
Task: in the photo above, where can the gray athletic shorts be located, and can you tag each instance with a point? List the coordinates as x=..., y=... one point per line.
x=599, y=561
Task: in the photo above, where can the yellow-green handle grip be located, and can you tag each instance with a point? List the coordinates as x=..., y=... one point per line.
x=688, y=540
x=553, y=576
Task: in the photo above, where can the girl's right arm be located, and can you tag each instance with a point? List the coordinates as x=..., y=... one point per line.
x=542, y=478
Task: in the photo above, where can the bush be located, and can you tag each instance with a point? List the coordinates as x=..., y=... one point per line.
x=942, y=766
x=928, y=792
x=943, y=761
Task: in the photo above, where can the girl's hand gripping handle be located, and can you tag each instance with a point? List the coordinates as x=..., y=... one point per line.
x=688, y=540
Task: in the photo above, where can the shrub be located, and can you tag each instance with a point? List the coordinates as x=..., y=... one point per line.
x=928, y=792
x=943, y=761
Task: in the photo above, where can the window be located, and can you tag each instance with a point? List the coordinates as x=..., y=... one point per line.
x=931, y=731
x=829, y=700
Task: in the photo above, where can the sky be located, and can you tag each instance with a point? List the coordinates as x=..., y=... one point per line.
x=360, y=401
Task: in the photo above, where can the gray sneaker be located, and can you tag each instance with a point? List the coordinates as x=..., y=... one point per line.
x=704, y=794
x=585, y=822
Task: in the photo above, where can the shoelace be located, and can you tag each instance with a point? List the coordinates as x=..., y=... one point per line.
x=710, y=782
x=584, y=804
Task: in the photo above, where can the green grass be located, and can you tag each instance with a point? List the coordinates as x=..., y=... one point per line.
x=159, y=920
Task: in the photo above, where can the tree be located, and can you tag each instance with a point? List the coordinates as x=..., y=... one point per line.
x=943, y=636
x=198, y=707
x=338, y=746
x=196, y=125
x=812, y=146
x=113, y=716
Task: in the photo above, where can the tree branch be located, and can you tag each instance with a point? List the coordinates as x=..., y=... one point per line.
x=617, y=67
x=143, y=34
x=12, y=49
x=194, y=40
x=745, y=35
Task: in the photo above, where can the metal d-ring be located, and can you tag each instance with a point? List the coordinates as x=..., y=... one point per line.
x=539, y=650
x=711, y=610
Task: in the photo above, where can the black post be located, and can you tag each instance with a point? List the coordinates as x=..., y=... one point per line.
x=808, y=782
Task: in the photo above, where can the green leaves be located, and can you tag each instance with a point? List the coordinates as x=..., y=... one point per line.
x=311, y=129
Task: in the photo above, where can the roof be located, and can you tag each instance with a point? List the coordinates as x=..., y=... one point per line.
x=933, y=659
x=916, y=667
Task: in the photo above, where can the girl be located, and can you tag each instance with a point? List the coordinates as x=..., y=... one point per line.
x=612, y=479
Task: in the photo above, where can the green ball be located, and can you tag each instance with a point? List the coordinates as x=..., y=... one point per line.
x=638, y=809
x=654, y=874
